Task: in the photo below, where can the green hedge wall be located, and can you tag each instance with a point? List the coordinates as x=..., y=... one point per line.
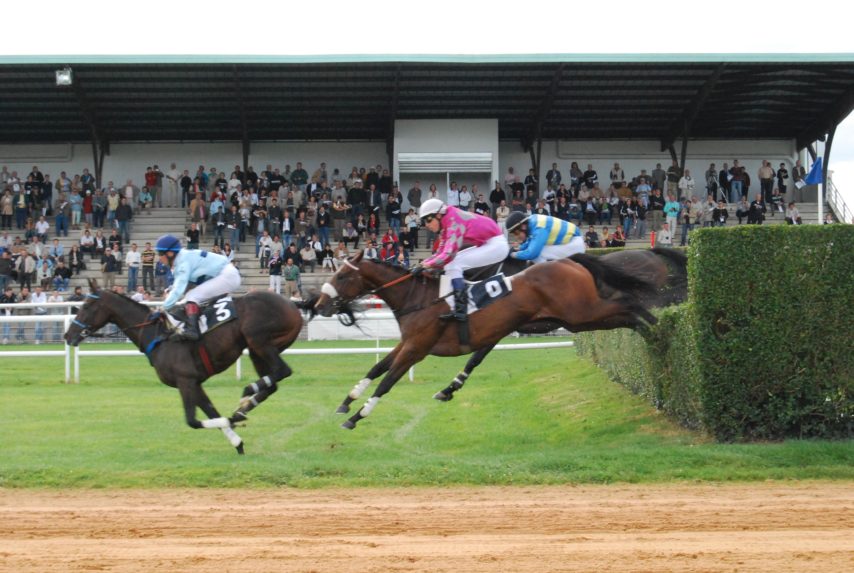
x=774, y=312
x=764, y=348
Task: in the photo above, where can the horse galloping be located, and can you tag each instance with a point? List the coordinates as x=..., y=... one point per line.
x=266, y=324
x=559, y=292
x=666, y=269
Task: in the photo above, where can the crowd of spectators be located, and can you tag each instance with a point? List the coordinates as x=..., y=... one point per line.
x=301, y=222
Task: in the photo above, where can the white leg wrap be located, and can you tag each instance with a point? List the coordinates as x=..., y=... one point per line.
x=359, y=388
x=232, y=436
x=369, y=406
x=267, y=381
x=216, y=423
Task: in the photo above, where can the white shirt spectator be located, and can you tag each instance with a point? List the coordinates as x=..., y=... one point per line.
x=133, y=259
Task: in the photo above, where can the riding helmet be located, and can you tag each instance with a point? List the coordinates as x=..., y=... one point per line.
x=432, y=207
x=514, y=220
x=168, y=243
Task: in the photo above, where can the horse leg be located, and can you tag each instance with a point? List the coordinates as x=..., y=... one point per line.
x=447, y=394
x=271, y=369
x=211, y=412
x=191, y=396
x=404, y=359
x=379, y=368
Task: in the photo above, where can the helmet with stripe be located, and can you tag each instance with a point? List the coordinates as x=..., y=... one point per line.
x=515, y=220
x=168, y=243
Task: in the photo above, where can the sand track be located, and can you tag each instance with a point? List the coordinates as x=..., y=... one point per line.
x=756, y=527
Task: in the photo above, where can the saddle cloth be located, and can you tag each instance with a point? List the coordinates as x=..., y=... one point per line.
x=481, y=293
x=213, y=314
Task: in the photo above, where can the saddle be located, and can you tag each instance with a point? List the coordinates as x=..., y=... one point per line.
x=213, y=314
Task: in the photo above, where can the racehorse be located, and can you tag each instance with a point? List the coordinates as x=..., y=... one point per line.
x=559, y=292
x=665, y=269
x=266, y=323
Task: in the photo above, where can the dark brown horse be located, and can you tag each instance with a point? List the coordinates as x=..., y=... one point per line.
x=665, y=269
x=560, y=292
x=266, y=323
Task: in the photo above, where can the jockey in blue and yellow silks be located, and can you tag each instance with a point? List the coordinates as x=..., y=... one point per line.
x=544, y=238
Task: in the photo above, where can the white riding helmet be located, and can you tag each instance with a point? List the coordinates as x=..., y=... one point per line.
x=432, y=207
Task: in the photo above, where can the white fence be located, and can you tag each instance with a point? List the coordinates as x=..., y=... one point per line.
x=73, y=355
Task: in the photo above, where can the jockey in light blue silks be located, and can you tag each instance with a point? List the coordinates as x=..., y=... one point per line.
x=544, y=238
x=213, y=275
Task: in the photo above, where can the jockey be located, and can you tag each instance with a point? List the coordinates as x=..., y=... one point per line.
x=544, y=238
x=460, y=228
x=213, y=274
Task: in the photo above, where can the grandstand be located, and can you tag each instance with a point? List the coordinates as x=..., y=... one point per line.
x=428, y=119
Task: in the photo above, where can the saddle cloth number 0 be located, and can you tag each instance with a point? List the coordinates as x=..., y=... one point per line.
x=488, y=291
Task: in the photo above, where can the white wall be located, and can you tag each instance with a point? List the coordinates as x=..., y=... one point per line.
x=636, y=155
x=129, y=160
x=447, y=136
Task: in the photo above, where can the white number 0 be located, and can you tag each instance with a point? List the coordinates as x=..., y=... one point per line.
x=493, y=288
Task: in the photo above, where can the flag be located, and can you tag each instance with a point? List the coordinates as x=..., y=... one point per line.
x=814, y=177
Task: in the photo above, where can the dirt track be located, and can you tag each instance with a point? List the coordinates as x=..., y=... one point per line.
x=765, y=527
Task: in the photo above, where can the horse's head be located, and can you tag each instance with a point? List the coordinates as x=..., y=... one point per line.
x=345, y=285
x=92, y=315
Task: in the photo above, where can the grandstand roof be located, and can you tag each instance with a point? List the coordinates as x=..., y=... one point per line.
x=222, y=98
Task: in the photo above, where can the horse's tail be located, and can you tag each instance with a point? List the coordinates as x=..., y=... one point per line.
x=677, y=279
x=612, y=276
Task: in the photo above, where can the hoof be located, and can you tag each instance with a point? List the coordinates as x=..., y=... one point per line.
x=442, y=397
x=239, y=448
x=238, y=419
x=343, y=409
x=348, y=425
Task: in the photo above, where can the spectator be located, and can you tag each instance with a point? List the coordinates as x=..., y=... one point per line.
x=327, y=257
x=39, y=297
x=8, y=297
x=553, y=176
x=309, y=258
x=292, y=275
x=743, y=209
x=26, y=270
x=350, y=235
x=264, y=250
x=5, y=269
x=133, y=260
x=686, y=185
x=674, y=176
x=502, y=211
x=198, y=214
x=371, y=252
x=148, y=258
x=719, y=215
x=793, y=217
x=57, y=326
x=162, y=278
x=193, y=236
x=756, y=213
x=275, y=265
x=663, y=238
x=124, y=214
x=341, y=255
x=44, y=275
x=618, y=239
x=145, y=200
x=689, y=217
x=109, y=267
x=42, y=228
x=414, y=196
x=591, y=237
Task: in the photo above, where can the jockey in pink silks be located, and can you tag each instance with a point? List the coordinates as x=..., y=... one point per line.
x=486, y=245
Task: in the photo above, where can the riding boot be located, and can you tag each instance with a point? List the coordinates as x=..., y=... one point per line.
x=191, y=327
x=461, y=303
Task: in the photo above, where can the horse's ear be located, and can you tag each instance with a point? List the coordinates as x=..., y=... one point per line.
x=358, y=256
x=93, y=285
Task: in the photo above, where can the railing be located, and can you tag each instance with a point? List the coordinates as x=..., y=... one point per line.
x=837, y=203
x=73, y=355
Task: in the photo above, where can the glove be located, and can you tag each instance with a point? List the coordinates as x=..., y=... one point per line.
x=417, y=271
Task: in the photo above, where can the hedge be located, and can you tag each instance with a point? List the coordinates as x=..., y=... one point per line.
x=763, y=348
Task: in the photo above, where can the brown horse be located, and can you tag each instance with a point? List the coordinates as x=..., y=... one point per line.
x=665, y=269
x=266, y=323
x=560, y=292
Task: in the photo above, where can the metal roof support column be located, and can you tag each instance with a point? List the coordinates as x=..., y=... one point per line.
x=244, y=128
x=823, y=186
x=389, y=140
x=100, y=144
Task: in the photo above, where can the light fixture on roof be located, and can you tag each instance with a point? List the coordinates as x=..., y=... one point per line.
x=64, y=77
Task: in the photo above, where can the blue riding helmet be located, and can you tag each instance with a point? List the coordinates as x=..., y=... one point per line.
x=168, y=243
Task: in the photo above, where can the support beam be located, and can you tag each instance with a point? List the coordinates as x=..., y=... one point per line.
x=392, y=116
x=100, y=144
x=244, y=124
x=682, y=125
x=828, y=120
x=822, y=188
x=535, y=130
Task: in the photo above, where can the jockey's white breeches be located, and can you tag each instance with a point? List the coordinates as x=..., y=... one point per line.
x=224, y=283
x=493, y=251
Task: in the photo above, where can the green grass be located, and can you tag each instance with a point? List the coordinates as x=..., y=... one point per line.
x=526, y=417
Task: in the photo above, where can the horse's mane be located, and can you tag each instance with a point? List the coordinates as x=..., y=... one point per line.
x=139, y=305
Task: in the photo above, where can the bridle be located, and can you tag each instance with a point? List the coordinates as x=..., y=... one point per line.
x=85, y=331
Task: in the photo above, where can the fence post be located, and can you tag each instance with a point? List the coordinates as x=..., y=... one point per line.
x=67, y=352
